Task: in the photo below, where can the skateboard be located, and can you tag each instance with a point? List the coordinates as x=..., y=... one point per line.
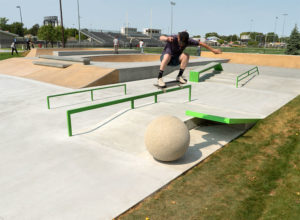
x=169, y=84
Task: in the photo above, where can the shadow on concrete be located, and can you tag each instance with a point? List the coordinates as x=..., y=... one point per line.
x=194, y=153
x=103, y=123
x=243, y=84
x=111, y=119
x=207, y=76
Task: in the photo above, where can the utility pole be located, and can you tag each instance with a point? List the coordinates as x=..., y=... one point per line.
x=78, y=21
x=62, y=26
x=172, y=4
x=151, y=23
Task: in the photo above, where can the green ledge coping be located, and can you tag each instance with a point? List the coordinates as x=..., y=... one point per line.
x=222, y=119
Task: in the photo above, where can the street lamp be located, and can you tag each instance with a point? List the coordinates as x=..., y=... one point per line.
x=172, y=4
x=19, y=7
x=78, y=21
x=276, y=18
x=284, y=16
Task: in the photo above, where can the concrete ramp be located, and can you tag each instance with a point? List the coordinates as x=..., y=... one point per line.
x=75, y=76
x=49, y=51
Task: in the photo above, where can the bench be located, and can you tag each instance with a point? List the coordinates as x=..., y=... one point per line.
x=52, y=64
x=194, y=74
x=225, y=120
x=84, y=60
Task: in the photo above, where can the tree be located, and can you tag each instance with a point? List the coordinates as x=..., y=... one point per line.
x=212, y=34
x=58, y=32
x=272, y=37
x=47, y=33
x=3, y=24
x=17, y=28
x=293, y=44
x=34, y=30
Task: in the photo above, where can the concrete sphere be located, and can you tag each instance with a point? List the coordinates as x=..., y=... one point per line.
x=167, y=138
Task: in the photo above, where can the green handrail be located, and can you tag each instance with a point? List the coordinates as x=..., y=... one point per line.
x=131, y=99
x=87, y=90
x=245, y=75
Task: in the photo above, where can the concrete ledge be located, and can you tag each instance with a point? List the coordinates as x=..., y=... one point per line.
x=85, y=61
x=91, y=52
x=52, y=64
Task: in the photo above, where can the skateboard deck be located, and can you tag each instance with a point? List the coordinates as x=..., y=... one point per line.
x=169, y=84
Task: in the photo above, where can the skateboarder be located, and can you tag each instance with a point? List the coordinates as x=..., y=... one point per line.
x=173, y=54
x=116, y=45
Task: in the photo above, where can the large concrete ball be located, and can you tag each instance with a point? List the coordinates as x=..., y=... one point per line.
x=167, y=138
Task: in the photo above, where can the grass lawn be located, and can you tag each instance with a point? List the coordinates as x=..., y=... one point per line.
x=256, y=176
x=5, y=55
x=193, y=50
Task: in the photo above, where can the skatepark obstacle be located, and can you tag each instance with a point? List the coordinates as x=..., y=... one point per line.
x=52, y=64
x=118, y=101
x=245, y=75
x=225, y=120
x=86, y=90
x=167, y=138
x=194, y=74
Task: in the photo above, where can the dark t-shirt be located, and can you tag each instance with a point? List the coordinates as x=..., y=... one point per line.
x=174, y=49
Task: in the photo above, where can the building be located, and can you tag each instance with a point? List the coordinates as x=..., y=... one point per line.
x=152, y=32
x=6, y=38
x=212, y=41
x=128, y=30
x=51, y=20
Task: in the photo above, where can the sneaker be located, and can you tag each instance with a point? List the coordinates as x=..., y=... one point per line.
x=181, y=79
x=160, y=82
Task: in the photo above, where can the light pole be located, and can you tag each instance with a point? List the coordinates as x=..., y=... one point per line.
x=78, y=21
x=19, y=7
x=172, y=4
x=276, y=18
x=62, y=26
x=284, y=16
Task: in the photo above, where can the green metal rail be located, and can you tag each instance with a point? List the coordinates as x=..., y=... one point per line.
x=81, y=91
x=245, y=75
x=129, y=99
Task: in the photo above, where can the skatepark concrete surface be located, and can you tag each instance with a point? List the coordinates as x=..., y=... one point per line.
x=285, y=61
x=105, y=169
x=98, y=73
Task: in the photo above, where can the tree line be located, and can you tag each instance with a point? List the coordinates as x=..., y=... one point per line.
x=46, y=32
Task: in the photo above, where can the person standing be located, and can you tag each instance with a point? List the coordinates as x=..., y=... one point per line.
x=13, y=48
x=130, y=43
x=116, y=45
x=27, y=44
x=142, y=46
x=199, y=49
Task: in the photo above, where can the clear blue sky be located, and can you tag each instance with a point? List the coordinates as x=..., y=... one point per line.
x=197, y=16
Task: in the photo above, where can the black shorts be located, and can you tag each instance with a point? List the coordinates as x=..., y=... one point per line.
x=173, y=62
